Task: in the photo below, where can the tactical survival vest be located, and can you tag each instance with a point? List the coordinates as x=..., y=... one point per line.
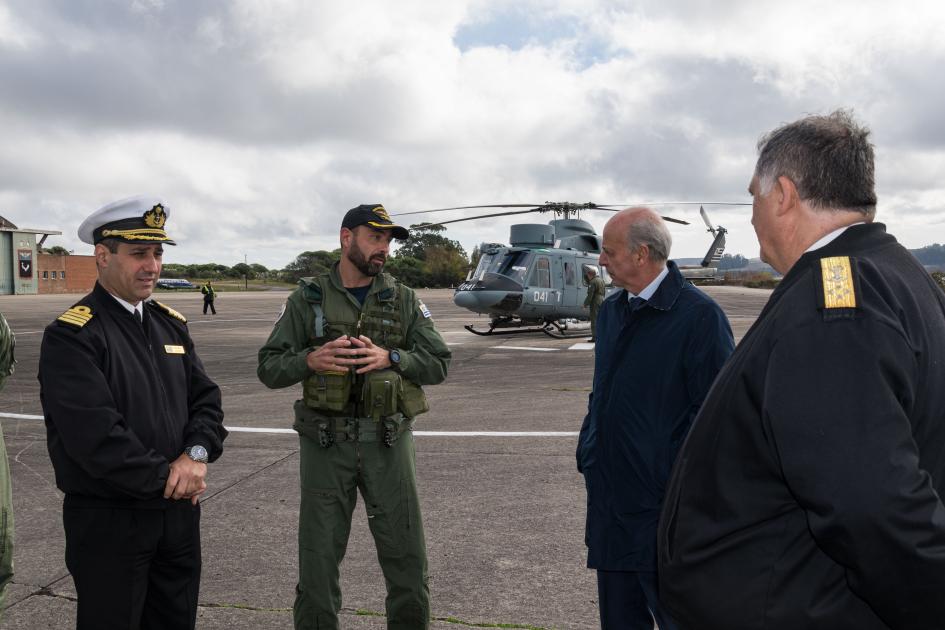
x=379, y=393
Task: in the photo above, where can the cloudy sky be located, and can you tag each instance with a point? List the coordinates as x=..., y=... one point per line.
x=261, y=121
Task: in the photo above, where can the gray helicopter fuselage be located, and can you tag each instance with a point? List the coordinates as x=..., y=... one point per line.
x=542, y=277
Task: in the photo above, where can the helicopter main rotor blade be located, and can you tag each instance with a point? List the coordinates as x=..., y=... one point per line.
x=665, y=218
x=482, y=216
x=497, y=205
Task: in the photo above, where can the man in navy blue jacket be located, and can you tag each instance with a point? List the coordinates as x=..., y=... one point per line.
x=661, y=342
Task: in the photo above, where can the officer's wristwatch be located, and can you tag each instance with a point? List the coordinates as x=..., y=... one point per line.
x=197, y=453
x=394, y=356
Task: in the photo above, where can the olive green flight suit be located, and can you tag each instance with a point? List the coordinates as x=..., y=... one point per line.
x=595, y=297
x=7, y=360
x=354, y=441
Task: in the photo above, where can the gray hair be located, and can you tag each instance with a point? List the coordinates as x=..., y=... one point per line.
x=829, y=159
x=650, y=230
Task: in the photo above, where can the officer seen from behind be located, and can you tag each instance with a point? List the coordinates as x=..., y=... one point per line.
x=362, y=345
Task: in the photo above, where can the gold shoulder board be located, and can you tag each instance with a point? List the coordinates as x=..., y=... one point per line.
x=77, y=316
x=838, y=282
x=164, y=308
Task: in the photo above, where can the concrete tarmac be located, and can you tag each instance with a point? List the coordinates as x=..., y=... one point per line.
x=504, y=516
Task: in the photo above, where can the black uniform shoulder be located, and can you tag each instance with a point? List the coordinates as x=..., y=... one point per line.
x=77, y=316
x=166, y=311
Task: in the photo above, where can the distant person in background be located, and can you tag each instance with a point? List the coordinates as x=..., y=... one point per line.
x=661, y=342
x=209, y=294
x=596, y=291
x=809, y=493
x=7, y=342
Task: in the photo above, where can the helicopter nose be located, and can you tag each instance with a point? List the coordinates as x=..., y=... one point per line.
x=467, y=299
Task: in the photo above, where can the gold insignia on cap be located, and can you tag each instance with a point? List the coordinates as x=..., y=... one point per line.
x=155, y=217
x=141, y=234
x=382, y=213
x=77, y=316
x=838, y=282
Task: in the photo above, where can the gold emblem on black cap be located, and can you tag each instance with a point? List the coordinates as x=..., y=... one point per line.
x=155, y=217
x=382, y=213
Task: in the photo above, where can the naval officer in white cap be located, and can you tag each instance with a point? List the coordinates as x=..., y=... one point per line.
x=132, y=421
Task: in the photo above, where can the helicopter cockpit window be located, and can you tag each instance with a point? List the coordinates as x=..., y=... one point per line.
x=485, y=261
x=541, y=274
x=513, y=265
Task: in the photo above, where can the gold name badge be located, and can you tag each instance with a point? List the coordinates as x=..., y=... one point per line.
x=174, y=349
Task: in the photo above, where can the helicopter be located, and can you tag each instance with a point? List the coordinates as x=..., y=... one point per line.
x=539, y=281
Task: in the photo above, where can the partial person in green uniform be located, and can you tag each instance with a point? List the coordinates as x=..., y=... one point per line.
x=7, y=341
x=596, y=292
x=362, y=345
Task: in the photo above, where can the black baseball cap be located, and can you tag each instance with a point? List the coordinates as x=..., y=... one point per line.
x=374, y=215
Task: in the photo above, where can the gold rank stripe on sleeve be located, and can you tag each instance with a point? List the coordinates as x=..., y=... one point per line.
x=838, y=282
x=77, y=316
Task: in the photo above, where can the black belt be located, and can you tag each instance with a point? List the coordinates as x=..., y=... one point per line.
x=366, y=430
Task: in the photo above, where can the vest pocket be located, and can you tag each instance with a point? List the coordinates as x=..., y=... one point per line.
x=328, y=391
x=412, y=400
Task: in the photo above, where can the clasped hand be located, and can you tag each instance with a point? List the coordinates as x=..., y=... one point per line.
x=346, y=351
x=186, y=479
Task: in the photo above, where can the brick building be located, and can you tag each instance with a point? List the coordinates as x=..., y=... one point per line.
x=61, y=273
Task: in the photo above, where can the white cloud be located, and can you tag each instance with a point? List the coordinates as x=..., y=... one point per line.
x=262, y=122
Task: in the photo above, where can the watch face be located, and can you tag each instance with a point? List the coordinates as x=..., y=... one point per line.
x=394, y=356
x=198, y=453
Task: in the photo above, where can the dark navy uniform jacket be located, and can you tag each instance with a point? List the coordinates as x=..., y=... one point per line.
x=653, y=368
x=808, y=494
x=122, y=400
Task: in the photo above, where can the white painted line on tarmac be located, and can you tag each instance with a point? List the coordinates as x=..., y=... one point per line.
x=584, y=345
x=496, y=433
x=526, y=348
x=220, y=321
x=20, y=416
x=23, y=416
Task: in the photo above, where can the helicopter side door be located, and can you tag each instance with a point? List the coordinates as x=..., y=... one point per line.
x=541, y=296
x=573, y=293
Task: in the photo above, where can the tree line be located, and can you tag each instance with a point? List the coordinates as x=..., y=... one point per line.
x=428, y=259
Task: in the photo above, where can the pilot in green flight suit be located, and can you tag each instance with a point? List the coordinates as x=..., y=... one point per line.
x=362, y=345
x=596, y=291
x=6, y=495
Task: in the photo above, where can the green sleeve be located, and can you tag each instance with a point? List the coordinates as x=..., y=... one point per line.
x=282, y=360
x=426, y=357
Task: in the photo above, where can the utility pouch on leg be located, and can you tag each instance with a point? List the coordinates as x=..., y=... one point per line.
x=380, y=393
x=412, y=401
x=313, y=425
x=393, y=426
